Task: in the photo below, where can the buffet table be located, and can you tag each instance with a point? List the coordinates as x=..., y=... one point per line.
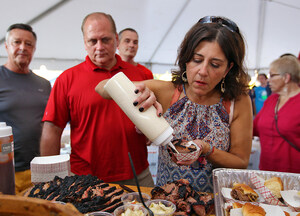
x=146, y=190
x=89, y=194
x=20, y=205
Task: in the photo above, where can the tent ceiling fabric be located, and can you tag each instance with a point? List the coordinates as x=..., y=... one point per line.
x=270, y=27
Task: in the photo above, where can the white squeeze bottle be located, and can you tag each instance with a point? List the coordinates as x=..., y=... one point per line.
x=155, y=128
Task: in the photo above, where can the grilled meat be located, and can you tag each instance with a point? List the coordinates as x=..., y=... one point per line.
x=186, y=199
x=87, y=193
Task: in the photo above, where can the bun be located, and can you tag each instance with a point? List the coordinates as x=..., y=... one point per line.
x=246, y=188
x=237, y=205
x=275, y=185
x=243, y=192
x=184, y=147
x=252, y=210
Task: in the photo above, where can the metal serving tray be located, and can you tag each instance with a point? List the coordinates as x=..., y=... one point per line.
x=226, y=177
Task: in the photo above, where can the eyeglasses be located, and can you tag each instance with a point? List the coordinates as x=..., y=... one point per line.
x=230, y=25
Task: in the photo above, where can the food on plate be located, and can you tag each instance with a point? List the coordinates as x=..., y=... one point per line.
x=160, y=208
x=87, y=193
x=243, y=192
x=275, y=185
x=286, y=213
x=134, y=198
x=23, y=206
x=186, y=199
x=130, y=212
x=252, y=210
x=184, y=146
x=237, y=205
x=291, y=198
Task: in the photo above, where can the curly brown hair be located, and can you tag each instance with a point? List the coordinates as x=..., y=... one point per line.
x=233, y=46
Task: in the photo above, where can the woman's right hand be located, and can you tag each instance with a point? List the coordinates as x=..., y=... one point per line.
x=146, y=99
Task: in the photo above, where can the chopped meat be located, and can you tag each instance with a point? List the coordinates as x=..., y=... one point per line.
x=87, y=193
x=186, y=199
x=199, y=209
x=191, y=200
x=183, y=181
x=184, y=206
x=169, y=188
x=180, y=214
x=205, y=198
x=113, y=207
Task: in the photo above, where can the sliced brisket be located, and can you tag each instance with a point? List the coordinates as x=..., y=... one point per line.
x=87, y=193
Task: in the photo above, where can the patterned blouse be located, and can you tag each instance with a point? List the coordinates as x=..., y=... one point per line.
x=191, y=121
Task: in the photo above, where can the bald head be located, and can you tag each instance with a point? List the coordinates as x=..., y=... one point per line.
x=97, y=16
x=100, y=39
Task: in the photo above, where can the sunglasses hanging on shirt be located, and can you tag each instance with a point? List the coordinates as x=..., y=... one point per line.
x=276, y=125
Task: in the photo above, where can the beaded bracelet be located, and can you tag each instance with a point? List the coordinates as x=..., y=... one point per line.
x=210, y=151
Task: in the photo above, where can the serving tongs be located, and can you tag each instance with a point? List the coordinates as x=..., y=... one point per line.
x=138, y=186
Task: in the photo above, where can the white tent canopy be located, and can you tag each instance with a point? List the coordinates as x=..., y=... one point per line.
x=270, y=27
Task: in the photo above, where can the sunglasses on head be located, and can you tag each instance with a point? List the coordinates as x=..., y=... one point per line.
x=230, y=25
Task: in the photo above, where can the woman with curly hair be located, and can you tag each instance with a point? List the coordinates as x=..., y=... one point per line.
x=206, y=102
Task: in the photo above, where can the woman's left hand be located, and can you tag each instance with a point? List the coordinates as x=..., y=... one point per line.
x=199, y=143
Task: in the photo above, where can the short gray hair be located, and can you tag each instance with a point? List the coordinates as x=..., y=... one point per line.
x=22, y=26
x=288, y=65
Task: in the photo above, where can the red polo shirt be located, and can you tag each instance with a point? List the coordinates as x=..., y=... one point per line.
x=101, y=133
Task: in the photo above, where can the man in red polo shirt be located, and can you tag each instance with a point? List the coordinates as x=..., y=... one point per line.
x=128, y=46
x=101, y=133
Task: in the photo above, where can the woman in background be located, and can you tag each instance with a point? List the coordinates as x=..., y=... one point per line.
x=278, y=123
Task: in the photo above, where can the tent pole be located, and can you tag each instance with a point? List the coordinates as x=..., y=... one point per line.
x=260, y=33
x=41, y=15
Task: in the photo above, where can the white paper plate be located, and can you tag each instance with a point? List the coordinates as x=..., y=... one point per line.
x=291, y=197
x=236, y=212
x=272, y=210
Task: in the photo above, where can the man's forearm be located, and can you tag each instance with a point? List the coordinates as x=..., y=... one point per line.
x=50, y=140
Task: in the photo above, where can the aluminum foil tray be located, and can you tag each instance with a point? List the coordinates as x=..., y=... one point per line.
x=226, y=177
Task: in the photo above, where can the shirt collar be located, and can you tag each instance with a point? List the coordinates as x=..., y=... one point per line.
x=119, y=65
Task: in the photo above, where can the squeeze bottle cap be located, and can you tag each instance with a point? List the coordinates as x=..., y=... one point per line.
x=164, y=138
x=5, y=130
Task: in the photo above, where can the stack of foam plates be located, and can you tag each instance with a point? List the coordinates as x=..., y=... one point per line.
x=44, y=169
